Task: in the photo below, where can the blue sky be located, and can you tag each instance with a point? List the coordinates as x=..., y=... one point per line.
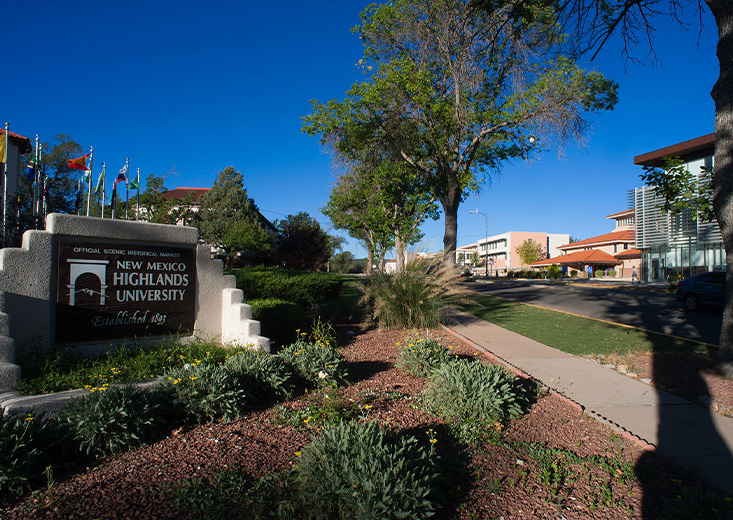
x=198, y=86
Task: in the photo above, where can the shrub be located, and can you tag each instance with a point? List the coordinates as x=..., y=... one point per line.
x=272, y=377
x=316, y=363
x=209, y=392
x=476, y=393
x=25, y=444
x=363, y=471
x=300, y=287
x=279, y=319
x=612, y=273
x=574, y=274
x=554, y=272
x=414, y=299
x=420, y=356
x=599, y=273
x=116, y=419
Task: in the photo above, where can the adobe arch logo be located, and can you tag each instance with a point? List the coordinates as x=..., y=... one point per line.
x=80, y=266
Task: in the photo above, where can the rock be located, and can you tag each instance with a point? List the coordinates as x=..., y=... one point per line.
x=632, y=375
x=646, y=380
x=622, y=368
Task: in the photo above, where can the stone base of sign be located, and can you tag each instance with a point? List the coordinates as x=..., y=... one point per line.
x=28, y=286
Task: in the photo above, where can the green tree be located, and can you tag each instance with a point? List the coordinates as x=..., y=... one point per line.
x=681, y=189
x=155, y=208
x=593, y=23
x=62, y=182
x=223, y=206
x=350, y=207
x=342, y=262
x=457, y=91
x=248, y=241
x=301, y=244
x=530, y=251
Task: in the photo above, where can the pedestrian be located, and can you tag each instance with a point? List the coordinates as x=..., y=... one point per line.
x=635, y=276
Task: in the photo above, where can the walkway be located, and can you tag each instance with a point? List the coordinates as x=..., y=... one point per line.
x=690, y=434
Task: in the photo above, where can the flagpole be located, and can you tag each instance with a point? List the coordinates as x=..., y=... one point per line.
x=104, y=188
x=127, y=189
x=34, y=208
x=5, y=185
x=137, y=213
x=41, y=171
x=91, y=178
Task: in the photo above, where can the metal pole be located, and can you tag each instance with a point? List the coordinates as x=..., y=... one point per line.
x=91, y=178
x=5, y=185
x=127, y=189
x=137, y=213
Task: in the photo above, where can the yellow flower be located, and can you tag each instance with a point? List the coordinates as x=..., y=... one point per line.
x=433, y=441
x=29, y=418
x=367, y=407
x=297, y=453
x=192, y=378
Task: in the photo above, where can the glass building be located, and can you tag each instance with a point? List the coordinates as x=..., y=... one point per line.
x=675, y=246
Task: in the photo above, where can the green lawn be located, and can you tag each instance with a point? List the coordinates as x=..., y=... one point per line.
x=573, y=334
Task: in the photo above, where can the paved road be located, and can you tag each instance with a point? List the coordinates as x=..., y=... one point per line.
x=651, y=311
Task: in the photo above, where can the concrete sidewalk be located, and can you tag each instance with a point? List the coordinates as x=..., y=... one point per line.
x=691, y=435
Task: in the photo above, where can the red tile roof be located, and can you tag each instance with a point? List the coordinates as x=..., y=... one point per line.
x=622, y=213
x=627, y=236
x=629, y=253
x=589, y=257
x=182, y=193
x=23, y=143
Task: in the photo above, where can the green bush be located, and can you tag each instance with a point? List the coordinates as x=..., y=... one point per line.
x=698, y=502
x=420, y=356
x=599, y=273
x=317, y=364
x=554, y=272
x=363, y=471
x=116, y=419
x=476, y=393
x=612, y=273
x=209, y=392
x=272, y=377
x=302, y=288
x=26, y=443
x=279, y=319
x=574, y=274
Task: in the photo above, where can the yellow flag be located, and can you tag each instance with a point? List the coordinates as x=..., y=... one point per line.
x=3, y=147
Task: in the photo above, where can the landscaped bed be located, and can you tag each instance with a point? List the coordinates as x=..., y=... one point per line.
x=551, y=462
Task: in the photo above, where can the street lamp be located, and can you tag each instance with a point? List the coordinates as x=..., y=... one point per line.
x=486, y=262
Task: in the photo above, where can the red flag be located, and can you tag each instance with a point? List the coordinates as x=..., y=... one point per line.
x=80, y=163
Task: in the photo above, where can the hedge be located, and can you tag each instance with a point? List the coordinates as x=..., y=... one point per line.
x=302, y=288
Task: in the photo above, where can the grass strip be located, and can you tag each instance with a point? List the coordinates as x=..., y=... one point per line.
x=574, y=334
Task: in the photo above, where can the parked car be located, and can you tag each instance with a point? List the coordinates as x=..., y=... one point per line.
x=702, y=290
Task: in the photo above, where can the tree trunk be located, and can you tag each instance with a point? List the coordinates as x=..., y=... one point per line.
x=399, y=249
x=450, y=203
x=722, y=95
x=370, y=260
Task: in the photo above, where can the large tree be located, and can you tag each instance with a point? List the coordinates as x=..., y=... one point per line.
x=388, y=197
x=223, y=206
x=594, y=23
x=456, y=91
x=62, y=182
x=301, y=244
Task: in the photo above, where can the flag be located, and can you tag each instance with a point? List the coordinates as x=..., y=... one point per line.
x=123, y=171
x=100, y=184
x=114, y=196
x=87, y=176
x=80, y=163
x=31, y=171
x=121, y=177
x=134, y=184
x=3, y=147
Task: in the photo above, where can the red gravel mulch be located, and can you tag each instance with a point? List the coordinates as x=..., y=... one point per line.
x=498, y=480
